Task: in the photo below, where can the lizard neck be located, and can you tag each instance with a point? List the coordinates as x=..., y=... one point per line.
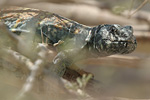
x=92, y=47
x=90, y=43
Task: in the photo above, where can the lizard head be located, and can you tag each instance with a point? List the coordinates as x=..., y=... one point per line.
x=114, y=39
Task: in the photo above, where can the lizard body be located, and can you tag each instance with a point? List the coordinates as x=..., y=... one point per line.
x=79, y=41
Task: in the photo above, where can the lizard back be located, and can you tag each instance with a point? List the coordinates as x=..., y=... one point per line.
x=52, y=26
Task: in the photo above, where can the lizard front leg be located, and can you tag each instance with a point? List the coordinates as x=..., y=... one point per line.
x=64, y=63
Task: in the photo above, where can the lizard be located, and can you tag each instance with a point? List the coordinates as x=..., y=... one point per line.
x=74, y=41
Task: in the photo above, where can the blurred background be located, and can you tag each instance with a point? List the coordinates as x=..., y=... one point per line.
x=121, y=75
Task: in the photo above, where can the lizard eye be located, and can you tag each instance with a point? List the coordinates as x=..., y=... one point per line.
x=113, y=29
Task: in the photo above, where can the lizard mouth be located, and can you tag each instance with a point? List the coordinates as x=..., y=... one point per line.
x=123, y=46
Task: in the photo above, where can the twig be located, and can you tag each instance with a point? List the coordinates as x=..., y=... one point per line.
x=144, y=2
x=29, y=81
x=131, y=8
x=115, y=60
x=20, y=59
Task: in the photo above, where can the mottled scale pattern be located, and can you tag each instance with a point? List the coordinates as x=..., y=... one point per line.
x=52, y=26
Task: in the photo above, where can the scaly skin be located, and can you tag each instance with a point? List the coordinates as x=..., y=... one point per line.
x=79, y=41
